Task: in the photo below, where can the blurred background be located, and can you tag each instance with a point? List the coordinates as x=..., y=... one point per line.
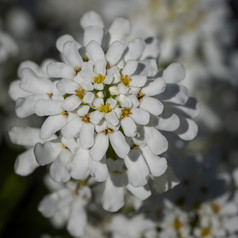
x=201, y=34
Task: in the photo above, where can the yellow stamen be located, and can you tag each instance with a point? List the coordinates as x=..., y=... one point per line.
x=105, y=108
x=125, y=80
x=99, y=79
x=140, y=95
x=125, y=112
x=86, y=118
x=49, y=94
x=116, y=173
x=65, y=113
x=107, y=131
x=216, y=208
x=63, y=147
x=85, y=59
x=76, y=70
x=206, y=231
x=177, y=224
x=135, y=147
x=80, y=93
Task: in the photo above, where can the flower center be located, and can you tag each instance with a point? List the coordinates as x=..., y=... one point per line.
x=107, y=131
x=76, y=70
x=139, y=96
x=216, y=208
x=99, y=79
x=116, y=173
x=50, y=95
x=177, y=224
x=125, y=80
x=105, y=108
x=86, y=118
x=85, y=59
x=134, y=147
x=65, y=113
x=125, y=112
x=206, y=231
x=80, y=93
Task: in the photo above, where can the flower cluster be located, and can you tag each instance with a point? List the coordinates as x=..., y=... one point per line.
x=106, y=106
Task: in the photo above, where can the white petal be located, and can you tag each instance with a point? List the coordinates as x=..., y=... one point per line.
x=156, y=164
x=95, y=52
x=71, y=103
x=62, y=40
x=119, y=144
x=72, y=128
x=91, y=19
x=96, y=117
x=77, y=220
x=155, y=140
x=97, y=102
x=141, y=193
x=130, y=67
x=100, y=67
x=187, y=130
x=60, y=70
x=98, y=170
x=25, y=106
x=119, y=30
x=122, y=88
x=174, y=93
x=87, y=75
x=115, y=52
x=111, y=117
x=93, y=33
x=78, y=168
x=140, y=116
x=71, y=54
x=33, y=83
x=15, y=90
x=135, y=49
x=51, y=125
x=25, y=163
x=174, y=73
x=25, y=136
x=46, y=153
x=46, y=107
x=152, y=48
x=157, y=86
x=148, y=67
x=86, y=135
x=58, y=170
x=137, y=169
x=152, y=105
x=168, y=122
x=128, y=126
x=67, y=86
x=100, y=147
x=88, y=97
x=113, y=197
x=83, y=109
x=137, y=81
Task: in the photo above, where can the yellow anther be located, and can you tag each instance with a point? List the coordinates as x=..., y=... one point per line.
x=107, y=131
x=140, y=95
x=76, y=70
x=216, y=208
x=85, y=59
x=65, y=113
x=206, y=231
x=63, y=147
x=116, y=173
x=134, y=147
x=49, y=94
x=177, y=224
x=108, y=66
x=80, y=93
x=86, y=118
x=125, y=80
x=99, y=79
x=105, y=108
x=125, y=112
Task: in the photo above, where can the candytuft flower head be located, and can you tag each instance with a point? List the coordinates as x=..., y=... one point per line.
x=108, y=103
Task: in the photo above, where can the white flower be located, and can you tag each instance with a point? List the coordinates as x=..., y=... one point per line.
x=105, y=104
x=137, y=226
x=67, y=205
